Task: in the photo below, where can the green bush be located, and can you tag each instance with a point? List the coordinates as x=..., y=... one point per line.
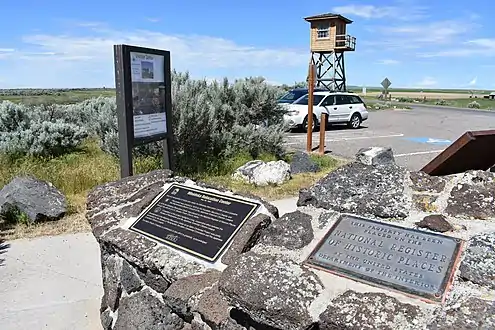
x=474, y=105
x=36, y=131
x=441, y=102
x=213, y=122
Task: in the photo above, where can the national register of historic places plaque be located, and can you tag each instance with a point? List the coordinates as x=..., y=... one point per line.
x=415, y=262
x=196, y=221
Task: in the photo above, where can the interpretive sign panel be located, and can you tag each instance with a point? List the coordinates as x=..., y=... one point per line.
x=412, y=261
x=143, y=90
x=196, y=221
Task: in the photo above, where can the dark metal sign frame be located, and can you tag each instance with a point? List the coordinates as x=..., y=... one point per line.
x=353, y=275
x=474, y=150
x=125, y=106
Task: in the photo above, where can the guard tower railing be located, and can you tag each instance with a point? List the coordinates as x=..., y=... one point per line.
x=345, y=42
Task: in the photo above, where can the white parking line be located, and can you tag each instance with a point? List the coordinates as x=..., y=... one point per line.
x=419, y=153
x=350, y=138
x=365, y=137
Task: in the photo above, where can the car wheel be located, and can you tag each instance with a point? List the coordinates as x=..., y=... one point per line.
x=305, y=124
x=355, y=121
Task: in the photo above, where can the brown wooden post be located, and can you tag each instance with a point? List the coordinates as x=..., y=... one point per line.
x=323, y=125
x=311, y=80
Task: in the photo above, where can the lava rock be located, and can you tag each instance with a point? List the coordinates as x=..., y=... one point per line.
x=425, y=203
x=38, y=199
x=129, y=278
x=271, y=290
x=478, y=265
x=143, y=310
x=292, y=231
x=180, y=292
x=353, y=310
x=372, y=191
x=422, y=182
x=472, y=314
x=302, y=163
x=260, y=173
x=112, y=288
x=247, y=237
x=474, y=196
x=375, y=156
x=435, y=222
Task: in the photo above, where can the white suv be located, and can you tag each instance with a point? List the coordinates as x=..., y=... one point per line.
x=340, y=107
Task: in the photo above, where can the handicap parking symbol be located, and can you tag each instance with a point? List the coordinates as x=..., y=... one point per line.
x=429, y=140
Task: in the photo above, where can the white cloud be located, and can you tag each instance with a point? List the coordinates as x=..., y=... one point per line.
x=153, y=19
x=6, y=50
x=48, y=58
x=401, y=11
x=388, y=62
x=473, y=82
x=478, y=47
x=427, y=82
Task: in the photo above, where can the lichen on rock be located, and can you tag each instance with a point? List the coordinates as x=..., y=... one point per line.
x=271, y=290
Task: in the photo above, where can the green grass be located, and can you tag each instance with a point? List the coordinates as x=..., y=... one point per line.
x=66, y=97
x=358, y=89
x=289, y=189
x=463, y=103
x=75, y=174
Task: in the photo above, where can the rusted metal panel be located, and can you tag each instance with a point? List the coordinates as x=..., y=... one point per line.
x=474, y=150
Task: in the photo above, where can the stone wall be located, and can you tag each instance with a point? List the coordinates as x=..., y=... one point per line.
x=261, y=283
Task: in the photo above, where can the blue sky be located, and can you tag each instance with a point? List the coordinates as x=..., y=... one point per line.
x=414, y=43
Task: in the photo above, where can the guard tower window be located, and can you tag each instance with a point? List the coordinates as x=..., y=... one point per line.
x=322, y=32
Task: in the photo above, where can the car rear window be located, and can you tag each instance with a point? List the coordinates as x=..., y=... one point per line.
x=304, y=100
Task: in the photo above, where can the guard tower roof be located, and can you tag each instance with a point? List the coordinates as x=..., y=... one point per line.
x=327, y=16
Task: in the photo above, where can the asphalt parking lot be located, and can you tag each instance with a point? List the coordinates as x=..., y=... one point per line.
x=416, y=136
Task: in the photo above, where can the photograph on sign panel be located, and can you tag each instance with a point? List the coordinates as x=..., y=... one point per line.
x=148, y=98
x=147, y=71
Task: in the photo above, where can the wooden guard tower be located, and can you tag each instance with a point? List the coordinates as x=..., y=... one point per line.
x=329, y=42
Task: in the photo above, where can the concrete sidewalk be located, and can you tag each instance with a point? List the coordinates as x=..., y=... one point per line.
x=55, y=282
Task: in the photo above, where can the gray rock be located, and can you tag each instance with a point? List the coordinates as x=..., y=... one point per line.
x=213, y=308
x=292, y=231
x=106, y=320
x=302, y=163
x=372, y=191
x=129, y=278
x=492, y=169
x=260, y=173
x=38, y=199
x=142, y=311
x=154, y=279
x=474, y=196
x=114, y=193
x=325, y=217
x=473, y=314
x=112, y=289
x=272, y=290
x=180, y=292
x=478, y=265
x=230, y=324
x=425, y=203
x=247, y=237
x=353, y=310
x=435, y=222
x=375, y=156
x=422, y=182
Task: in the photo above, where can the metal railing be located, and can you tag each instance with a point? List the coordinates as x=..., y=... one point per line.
x=345, y=41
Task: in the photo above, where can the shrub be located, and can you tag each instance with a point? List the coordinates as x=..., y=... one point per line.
x=34, y=131
x=212, y=122
x=474, y=105
x=441, y=102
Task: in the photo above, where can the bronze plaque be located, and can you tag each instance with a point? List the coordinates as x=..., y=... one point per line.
x=472, y=151
x=415, y=262
x=196, y=221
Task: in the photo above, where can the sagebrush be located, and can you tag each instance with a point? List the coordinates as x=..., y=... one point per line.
x=213, y=121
